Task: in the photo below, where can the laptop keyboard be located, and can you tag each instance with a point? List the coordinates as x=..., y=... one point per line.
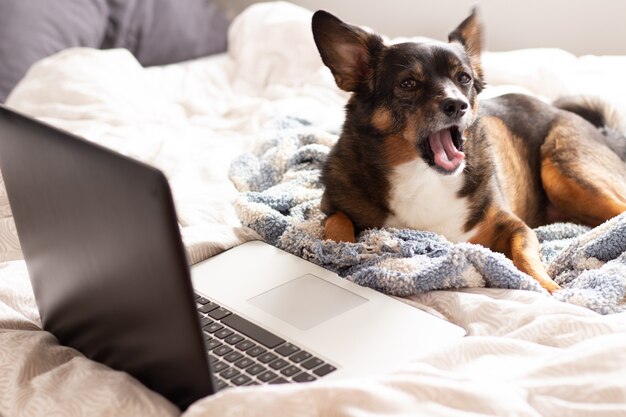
x=242, y=353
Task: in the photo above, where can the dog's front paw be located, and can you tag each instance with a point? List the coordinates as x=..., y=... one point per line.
x=550, y=286
x=339, y=227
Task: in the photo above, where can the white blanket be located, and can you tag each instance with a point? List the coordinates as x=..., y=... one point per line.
x=526, y=354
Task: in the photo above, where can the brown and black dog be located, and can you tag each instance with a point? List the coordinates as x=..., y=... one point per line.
x=417, y=151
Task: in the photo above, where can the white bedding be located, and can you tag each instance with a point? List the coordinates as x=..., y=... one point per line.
x=527, y=355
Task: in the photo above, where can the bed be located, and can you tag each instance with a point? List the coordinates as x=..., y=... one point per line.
x=526, y=353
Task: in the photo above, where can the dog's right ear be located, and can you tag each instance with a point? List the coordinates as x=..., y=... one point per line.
x=347, y=50
x=468, y=34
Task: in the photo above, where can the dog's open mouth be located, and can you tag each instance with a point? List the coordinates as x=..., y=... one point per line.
x=447, y=148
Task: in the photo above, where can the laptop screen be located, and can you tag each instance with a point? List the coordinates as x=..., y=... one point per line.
x=101, y=242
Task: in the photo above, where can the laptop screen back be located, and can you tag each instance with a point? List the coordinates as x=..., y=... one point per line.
x=105, y=258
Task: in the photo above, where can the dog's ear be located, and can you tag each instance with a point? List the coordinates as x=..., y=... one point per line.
x=468, y=34
x=347, y=50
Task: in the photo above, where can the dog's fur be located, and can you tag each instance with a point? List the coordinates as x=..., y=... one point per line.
x=417, y=151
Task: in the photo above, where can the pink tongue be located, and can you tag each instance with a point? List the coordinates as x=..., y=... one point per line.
x=447, y=156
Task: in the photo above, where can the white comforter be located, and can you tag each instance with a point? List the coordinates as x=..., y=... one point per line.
x=526, y=354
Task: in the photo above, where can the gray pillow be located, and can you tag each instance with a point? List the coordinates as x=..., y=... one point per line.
x=158, y=32
x=34, y=29
x=161, y=32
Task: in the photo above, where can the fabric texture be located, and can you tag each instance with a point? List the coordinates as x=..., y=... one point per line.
x=34, y=29
x=281, y=202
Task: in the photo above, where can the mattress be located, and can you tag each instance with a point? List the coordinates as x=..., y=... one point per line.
x=526, y=354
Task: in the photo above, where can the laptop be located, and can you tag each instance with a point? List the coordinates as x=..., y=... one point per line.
x=111, y=279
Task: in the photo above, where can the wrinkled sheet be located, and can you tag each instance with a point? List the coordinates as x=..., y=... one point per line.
x=526, y=354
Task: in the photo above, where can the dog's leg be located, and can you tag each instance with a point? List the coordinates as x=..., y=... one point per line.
x=584, y=180
x=504, y=232
x=524, y=249
x=580, y=201
x=339, y=228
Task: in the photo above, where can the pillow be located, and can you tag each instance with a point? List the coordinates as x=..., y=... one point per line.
x=161, y=32
x=157, y=32
x=34, y=29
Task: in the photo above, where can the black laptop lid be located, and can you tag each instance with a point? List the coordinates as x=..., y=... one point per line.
x=103, y=250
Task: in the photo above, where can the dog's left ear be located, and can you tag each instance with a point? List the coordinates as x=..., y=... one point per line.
x=468, y=34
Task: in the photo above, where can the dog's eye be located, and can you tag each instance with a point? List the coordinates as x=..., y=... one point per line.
x=463, y=78
x=408, y=84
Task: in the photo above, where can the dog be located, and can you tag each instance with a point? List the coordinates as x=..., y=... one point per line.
x=418, y=150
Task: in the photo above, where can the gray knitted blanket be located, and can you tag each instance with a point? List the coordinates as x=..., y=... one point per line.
x=280, y=198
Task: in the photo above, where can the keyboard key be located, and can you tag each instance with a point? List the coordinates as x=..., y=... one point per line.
x=213, y=358
x=287, y=349
x=196, y=295
x=212, y=344
x=218, y=366
x=220, y=383
x=219, y=313
x=300, y=356
x=304, y=377
x=266, y=376
x=233, y=356
x=255, y=369
x=222, y=350
x=279, y=380
x=267, y=357
x=290, y=370
x=312, y=363
x=208, y=307
x=212, y=328
x=229, y=373
x=253, y=382
x=201, y=300
x=205, y=321
x=234, y=339
x=278, y=364
x=253, y=331
x=255, y=351
x=207, y=337
x=324, y=370
x=241, y=380
x=223, y=333
x=244, y=363
x=245, y=345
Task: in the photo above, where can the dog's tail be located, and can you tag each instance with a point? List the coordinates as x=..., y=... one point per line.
x=603, y=116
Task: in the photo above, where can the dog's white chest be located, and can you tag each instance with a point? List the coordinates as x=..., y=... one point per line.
x=423, y=199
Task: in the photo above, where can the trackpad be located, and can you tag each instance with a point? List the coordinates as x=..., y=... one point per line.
x=307, y=301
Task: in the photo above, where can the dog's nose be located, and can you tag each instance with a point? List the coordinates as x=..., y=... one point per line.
x=454, y=108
